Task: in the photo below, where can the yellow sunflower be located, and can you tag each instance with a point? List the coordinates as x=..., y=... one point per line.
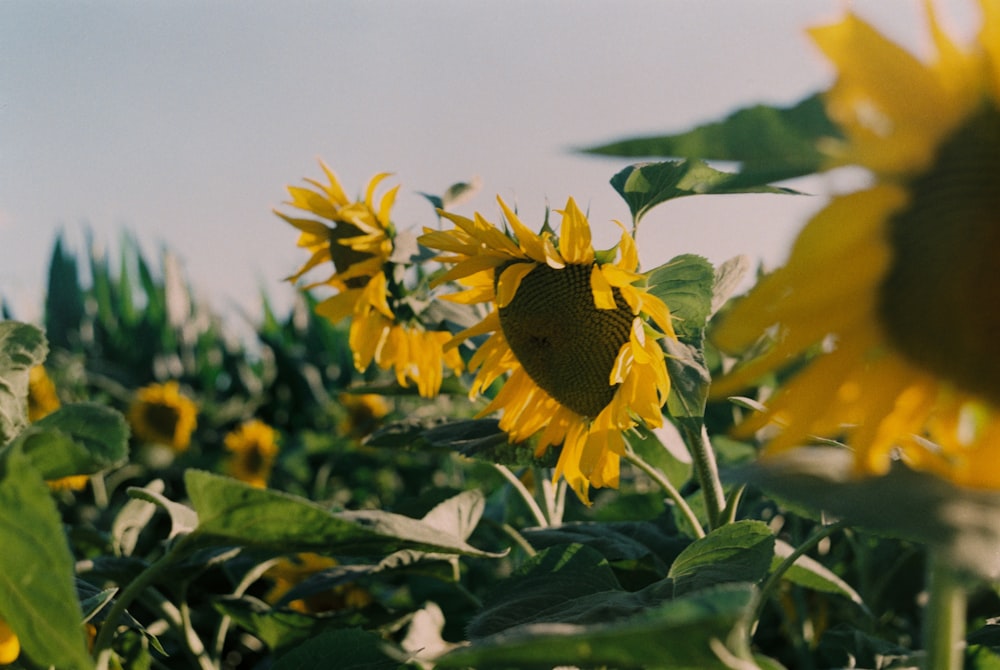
x=359, y=244
x=10, y=646
x=896, y=286
x=253, y=446
x=289, y=572
x=363, y=413
x=160, y=413
x=570, y=328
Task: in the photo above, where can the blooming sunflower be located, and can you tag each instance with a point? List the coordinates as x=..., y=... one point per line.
x=363, y=413
x=253, y=446
x=570, y=327
x=159, y=413
x=896, y=285
x=359, y=244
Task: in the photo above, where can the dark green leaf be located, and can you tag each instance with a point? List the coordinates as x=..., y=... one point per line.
x=64, y=298
x=962, y=524
x=352, y=649
x=233, y=512
x=701, y=631
x=736, y=552
x=37, y=592
x=645, y=185
x=689, y=380
x=773, y=143
x=21, y=348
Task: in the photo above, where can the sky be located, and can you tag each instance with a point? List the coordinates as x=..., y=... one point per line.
x=182, y=122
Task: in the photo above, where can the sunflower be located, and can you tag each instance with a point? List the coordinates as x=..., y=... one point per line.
x=289, y=572
x=569, y=329
x=895, y=288
x=160, y=413
x=10, y=646
x=364, y=410
x=359, y=244
x=253, y=446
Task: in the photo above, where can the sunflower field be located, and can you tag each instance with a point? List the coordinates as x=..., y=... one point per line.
x=488, y=444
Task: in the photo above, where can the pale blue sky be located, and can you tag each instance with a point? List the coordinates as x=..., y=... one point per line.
x=183, y=121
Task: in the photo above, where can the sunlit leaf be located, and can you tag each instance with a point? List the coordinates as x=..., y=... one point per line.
x=812, y=574
x=21, y=348
x=685, y=284
x=736, y=552
x=36, y=570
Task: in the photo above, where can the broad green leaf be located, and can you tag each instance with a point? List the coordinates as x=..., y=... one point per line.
x=772, y=143
x=546, y=586
x=689, y=381
x=37, y=594
x=728, y=277
x=700, y=631
x=183, y=519
x=233, y=512
x=646, y=185
x=352, y=649
x=812, y=574
x=281, y=628
x=457, y=516
x=962, y=524
x=21, y=348
x=685, y=284
x=132, y=518
x=78, y=439
x=736, y=552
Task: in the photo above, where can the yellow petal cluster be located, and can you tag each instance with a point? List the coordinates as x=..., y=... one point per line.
x=160, y=413
x=895, y=286
x=356, y=238
x=253, y=447
x=556, y=310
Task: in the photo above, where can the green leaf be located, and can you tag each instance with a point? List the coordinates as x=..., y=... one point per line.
x=457, y=516
x=736, y=552
x=37, y=594
x=962, y=524
x=688, y=633
x=773, y=143
x=183, y=519
x=133, y=517
x=685, y=284
x=728, y=277
x=281, y=628
x=21, y=348
x=78, y=439
x=64, y=298
x=645, y=185
x=352, y=648
x=811, y=574
x=689, y=381
x=233, y=512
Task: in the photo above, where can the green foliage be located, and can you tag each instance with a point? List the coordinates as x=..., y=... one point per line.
x=772, y=143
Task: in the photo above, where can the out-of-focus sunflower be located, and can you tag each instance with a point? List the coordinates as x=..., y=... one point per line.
x=571, y=327
x=356, y=237
x=897, y=285
x=42, y=396
x=252, y=446
x=363, y=413
x=10, y=646
x=160, y=413
x=289, y=572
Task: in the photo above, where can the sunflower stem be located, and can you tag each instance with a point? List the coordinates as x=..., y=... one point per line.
x=668, y=487
x=944, y=616
x=536, y=510
x=703, y=459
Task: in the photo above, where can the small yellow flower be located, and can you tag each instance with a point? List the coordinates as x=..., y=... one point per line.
x=359, y=244
x=42, y=396
x=573, y=334
x=897, y=284
x=289, y=572
x=160, y=413
x=363, y=413
x=253, y=447
x=10, y=646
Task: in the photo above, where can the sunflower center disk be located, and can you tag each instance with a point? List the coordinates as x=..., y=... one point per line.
x=566, y=344
x=940, y=302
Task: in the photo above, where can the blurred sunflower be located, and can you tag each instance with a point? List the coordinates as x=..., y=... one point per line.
x=160, y=413
x=289, y=572
x=363, y=413
x=895, y=286
x=10, y=646
x=42, y=397
x=570, y=327
x=253, y=446
x=359, y=244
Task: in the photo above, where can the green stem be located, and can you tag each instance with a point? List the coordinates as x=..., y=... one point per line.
x=944, y=617
x=768, y=587
x=703, y=459
x=669, y=488
x=105, y=635
x=529, y=499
